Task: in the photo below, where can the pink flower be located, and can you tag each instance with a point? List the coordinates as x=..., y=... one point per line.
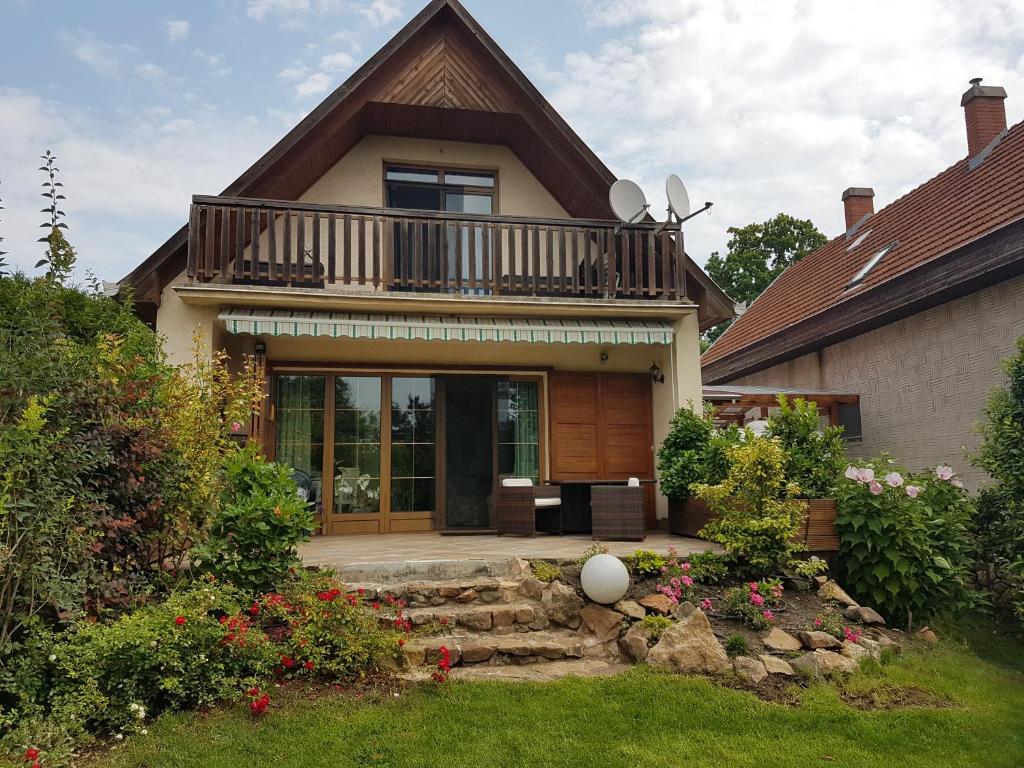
x=852, y=473
x=818, y=622
x=686, y=567
x=756, y=599
x=768, y=615
x=944, y=472
x=866, y=475
x=753, y=586
x=687, y=581
x=235, y=426
x=875, y=487
x=705, y=604
x=912, y=491
x=894, y=479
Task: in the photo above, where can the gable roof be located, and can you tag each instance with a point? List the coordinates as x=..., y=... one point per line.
x=441, y=76
x=931, y=229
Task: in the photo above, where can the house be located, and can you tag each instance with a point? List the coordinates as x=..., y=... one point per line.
x=429, y=271
x=913, y=307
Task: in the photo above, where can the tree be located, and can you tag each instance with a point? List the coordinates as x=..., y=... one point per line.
x=758, y=253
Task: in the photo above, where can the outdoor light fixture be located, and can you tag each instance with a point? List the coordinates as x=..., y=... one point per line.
x=604, y=357
x=604, y=579
x=260, y=347
x=656, y=375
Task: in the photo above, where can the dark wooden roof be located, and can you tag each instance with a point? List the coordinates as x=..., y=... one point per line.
x=954, y=234
x=442, y=76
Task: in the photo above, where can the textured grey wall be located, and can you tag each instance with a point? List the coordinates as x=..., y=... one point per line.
x=924, y=380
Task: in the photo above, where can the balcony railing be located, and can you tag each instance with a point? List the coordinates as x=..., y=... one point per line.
x=270, y=242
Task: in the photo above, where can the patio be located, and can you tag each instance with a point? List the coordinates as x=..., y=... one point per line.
x=339, y=551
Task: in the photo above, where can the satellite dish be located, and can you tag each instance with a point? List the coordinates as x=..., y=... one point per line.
x=678, y=200
x=627, y=201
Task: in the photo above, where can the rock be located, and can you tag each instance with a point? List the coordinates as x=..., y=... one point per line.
x=657, y=603
x=525, y=614
x=689, y=647
x=504, y=616
x=480, y=620
x=437, y=600
x=474, y=651
x=468, y=596
x=864, y=615
x=490, y=596
x=928, y=635
x=780, y=640
x=821, y=580
x=602, y=621
x=873, y=647
x=684, y=609
x=886, y=644
x=820, y=664
x=433, y=655
x=816, y=640
x=531, y=588
x=855, y=651
x=630, y=608
x=562, y=604
x=449, y=591
x=832, y=591
x=635, y=643
x=751, y=670
x=776, y=666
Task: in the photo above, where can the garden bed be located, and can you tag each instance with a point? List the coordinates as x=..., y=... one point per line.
x=818, y=532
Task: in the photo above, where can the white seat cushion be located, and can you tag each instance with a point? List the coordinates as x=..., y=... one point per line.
x=547, y=502
x=517, y=482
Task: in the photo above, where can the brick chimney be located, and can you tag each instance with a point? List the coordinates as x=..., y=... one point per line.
x=857, y=202
x=985, y=115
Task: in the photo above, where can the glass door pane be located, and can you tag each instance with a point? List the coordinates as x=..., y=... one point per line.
x=518, y=430
x=356, y=445
x=469, y=451
x=413, y=444
x=300, y=425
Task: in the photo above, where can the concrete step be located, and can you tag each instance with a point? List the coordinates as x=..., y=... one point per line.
x=477, y=648
x=501, y=617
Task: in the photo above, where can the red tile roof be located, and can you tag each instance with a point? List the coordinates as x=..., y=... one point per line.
x=954, y=208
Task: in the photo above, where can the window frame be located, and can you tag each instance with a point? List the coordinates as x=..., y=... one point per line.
x=441, y=185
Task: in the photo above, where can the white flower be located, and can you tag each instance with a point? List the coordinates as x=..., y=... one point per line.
x=944, y=472
x=53, y=657
x=894, y=479
x=119, y=736
x=144, y=731
x=852, y=473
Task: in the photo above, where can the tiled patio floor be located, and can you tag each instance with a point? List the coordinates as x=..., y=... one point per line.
x=395, y=547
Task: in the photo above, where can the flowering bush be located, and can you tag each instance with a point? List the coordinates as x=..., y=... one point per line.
x=755, y=602
x=253, y=539
x=758, y=516
x=904, y=537
x=675, y=580
x=444, y=665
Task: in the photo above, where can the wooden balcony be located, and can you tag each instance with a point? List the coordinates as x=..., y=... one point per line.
x=280, y=243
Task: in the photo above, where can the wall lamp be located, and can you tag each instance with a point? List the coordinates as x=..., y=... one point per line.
x=656, y=375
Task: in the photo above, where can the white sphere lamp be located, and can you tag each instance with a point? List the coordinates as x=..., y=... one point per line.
x=605, y=579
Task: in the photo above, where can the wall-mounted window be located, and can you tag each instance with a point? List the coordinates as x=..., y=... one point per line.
x=849, y=419
x=872, y=263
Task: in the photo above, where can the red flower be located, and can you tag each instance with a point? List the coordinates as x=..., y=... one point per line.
x=254, y=691
x=401, y=642
x=287, y=662
x=361, y=591
x=255, y=609
x=31, y=753
x=308, y=665
x=444, y=621
x=259, y=706
x=376, y=606
x=179, y=620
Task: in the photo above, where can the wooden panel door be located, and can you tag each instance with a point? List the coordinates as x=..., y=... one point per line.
x=575, y=428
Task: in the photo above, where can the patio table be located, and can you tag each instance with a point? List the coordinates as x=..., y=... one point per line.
x=576, y=513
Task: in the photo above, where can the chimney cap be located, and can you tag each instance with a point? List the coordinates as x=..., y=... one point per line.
x=858, y=192
x=977, y=90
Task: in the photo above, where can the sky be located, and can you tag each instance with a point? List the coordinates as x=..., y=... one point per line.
x=760, y=107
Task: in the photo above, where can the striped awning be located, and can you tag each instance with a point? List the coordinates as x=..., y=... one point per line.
x=335, y=325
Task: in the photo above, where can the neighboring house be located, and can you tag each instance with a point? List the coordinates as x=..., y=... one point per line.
x=428, y=268
x=913, y=307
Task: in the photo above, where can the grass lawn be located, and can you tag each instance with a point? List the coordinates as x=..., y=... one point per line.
x=637, y=719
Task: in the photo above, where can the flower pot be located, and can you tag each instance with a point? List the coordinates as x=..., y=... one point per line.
x=818, y=532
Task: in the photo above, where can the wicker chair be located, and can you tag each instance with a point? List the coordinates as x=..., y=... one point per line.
x=520, y=503
x=617, y=512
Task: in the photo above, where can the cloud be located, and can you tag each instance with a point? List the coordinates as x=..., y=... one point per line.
x=780, y=106
x=105, y=59
x=294, y=72
x=258, y=9
x=339, y=61
x=318, y=82
x=177, y=30
x=381, y=12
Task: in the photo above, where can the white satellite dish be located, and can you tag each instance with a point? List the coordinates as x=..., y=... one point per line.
x=678, y=200
x=627, y=201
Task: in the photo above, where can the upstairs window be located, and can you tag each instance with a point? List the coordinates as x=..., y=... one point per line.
x=872, y=263
x=438, y=189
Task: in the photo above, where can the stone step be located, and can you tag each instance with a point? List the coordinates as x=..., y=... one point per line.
x=541, y=671
x=477, y=648
x=420, y=594
x=501, y=617
x=401, y=571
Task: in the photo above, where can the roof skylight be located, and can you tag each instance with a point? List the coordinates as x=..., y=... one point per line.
x=872, y=263
x=860, y=239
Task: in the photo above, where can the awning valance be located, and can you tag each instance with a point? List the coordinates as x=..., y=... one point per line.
x=261, y=322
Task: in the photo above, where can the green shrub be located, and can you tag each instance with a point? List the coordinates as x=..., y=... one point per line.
x=644, y=562
x=815, y=457
x=736, y=645
x=707, y=567
x=757, y=516
x=904, y=539
x=809, y=568
x=656, y=624
x=594, y=549
x=545, y=571
x=1000, y=523
x=681, y=458
x=255, y=533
